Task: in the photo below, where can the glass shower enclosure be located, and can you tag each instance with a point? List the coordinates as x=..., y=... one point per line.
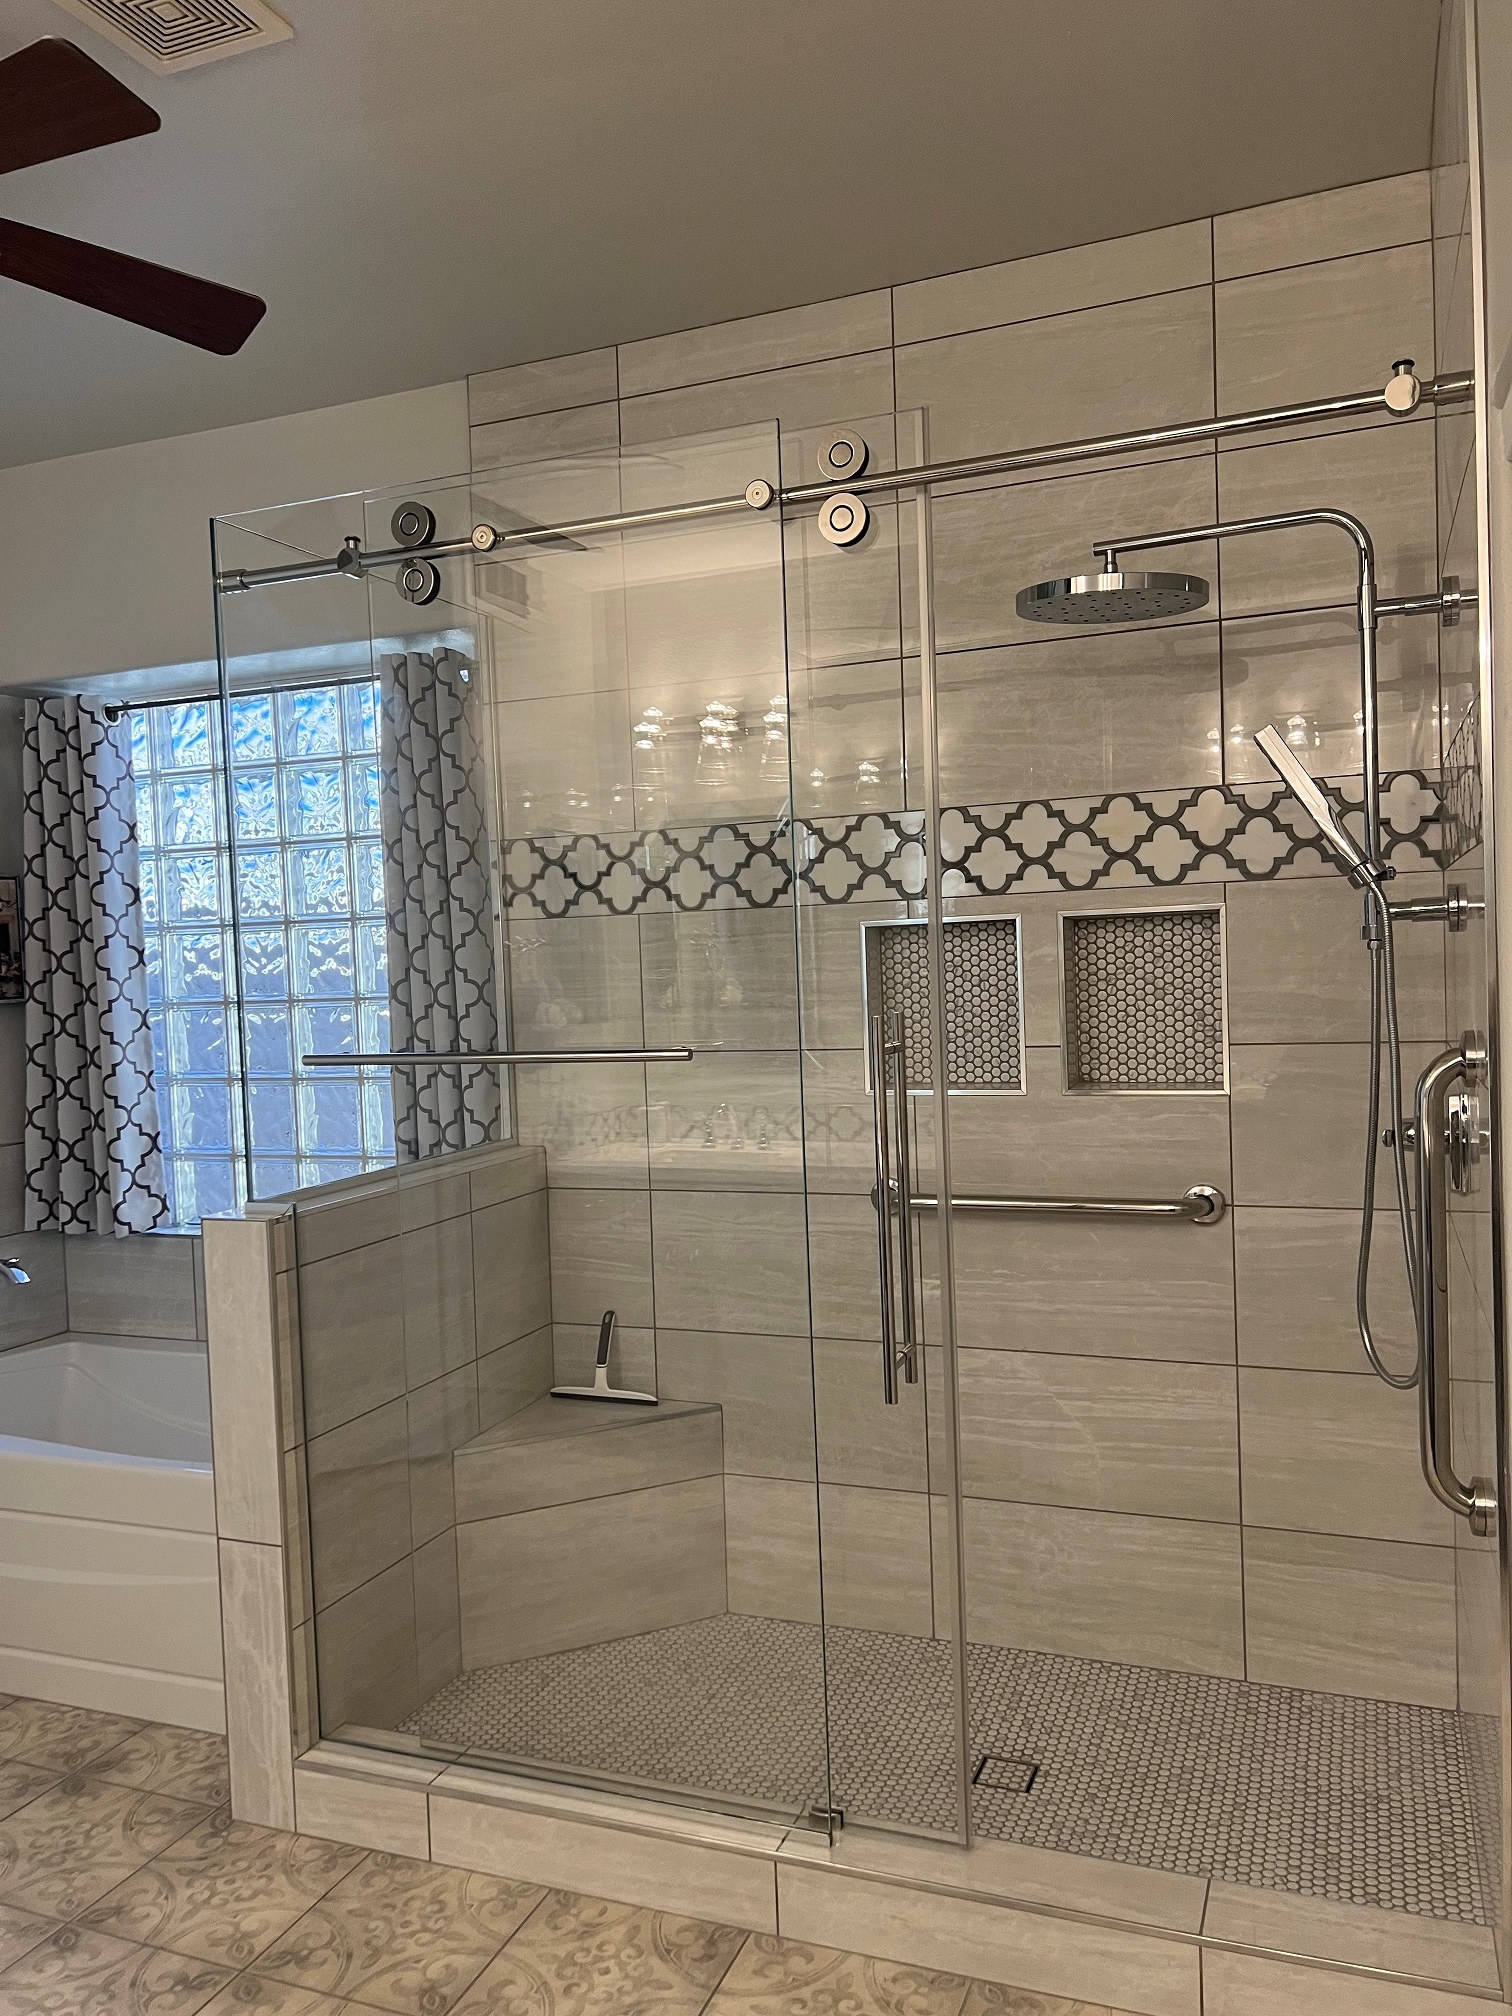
x=933, y=1069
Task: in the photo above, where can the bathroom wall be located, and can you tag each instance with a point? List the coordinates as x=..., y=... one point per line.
x=414, y=1312
x=1174, y=1453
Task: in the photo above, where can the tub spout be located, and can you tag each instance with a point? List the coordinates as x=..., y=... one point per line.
x=14, y=1271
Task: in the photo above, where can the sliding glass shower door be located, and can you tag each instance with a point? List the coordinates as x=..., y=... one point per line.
x=1216, y=1621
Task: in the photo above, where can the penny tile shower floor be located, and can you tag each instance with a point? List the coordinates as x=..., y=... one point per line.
x=1323, y=1795
x=127, y=1890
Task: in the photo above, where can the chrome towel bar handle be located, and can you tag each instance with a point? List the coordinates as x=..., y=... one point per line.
x=1202, y=1204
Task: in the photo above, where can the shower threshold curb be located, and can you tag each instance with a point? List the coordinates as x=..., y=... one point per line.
x=771, y=1877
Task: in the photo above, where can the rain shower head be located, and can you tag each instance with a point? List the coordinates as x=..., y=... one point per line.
x=1332, y=831
x=1111, y=598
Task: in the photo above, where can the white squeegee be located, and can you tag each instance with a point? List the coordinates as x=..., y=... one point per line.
x=601, y=1389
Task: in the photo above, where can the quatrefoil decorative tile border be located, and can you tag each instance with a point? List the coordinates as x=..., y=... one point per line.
x=1125, y=839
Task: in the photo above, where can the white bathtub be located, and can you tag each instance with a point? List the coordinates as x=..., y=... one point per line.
x=109, y=1593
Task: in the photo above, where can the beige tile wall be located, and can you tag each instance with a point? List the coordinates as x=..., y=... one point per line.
x=1139, y=1404
x=417, y=1313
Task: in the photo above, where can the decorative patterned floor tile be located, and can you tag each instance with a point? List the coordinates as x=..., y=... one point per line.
x=77, y=1973
x=258, y=1995
x=579, y=1956
x=223, y=1892
x=404, y=1936
x=988, y=1998
x=21, y=1782
x=1324, y=1795
x=60, y=1738
x=82, y=1838
x=786, y=1977
x=20, y=1931
x=189, y=1763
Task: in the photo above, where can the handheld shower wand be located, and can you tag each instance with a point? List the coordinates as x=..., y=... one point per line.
x=1366, y=874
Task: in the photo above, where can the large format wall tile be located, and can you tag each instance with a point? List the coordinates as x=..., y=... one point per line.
x=863, y=1440
x=601, y=1256
x=1334, y=1452
x=772, y=1548
x=843, y=608
x=1146, y=715
x=568, y=432
x=1054, y=283
x=511, y=1269
x=803, y=395
x=1364, y=217
x=440, y=1323
x=1104, y=1585
x=539, y=1582
x=842, y=1245
x=351, y=1310
x=1064, y=377
x=1298, y=971
x=1116, y=1435
x=1101, y=1288
x=359, y=1501
x=442, y=1416
x=1052, y=1143
x=730, y=1260
x=585, y=379
x=1299, y=1121
x=1302, y=672
x=1383, y=475
x=1308, y=332
x=141, y=1287
x=368, y=1671
x=875, y=1555
x=721, y=979
x=564, y=764
x=990, y=543
x=591, y=1120
x=788, y=336
x=1294, y=1274
x=1369, y=1617
x=726, y=1119
x=574, y=983
x=764, y=1387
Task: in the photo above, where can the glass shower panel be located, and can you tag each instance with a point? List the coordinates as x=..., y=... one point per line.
x=882, y=1362
x=597, y=1588
x=1164, y=1669
x=1465, y=691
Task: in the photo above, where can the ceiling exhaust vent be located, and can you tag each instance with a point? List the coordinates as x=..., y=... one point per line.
x=172, y=35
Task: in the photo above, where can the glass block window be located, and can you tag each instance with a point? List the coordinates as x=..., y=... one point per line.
x=307, y=859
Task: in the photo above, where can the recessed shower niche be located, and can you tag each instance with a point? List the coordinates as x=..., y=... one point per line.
x=984, y=1040
x=1142, y=1000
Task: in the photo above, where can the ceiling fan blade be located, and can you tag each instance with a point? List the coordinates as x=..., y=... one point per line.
x=177, y=304
x=55, y=100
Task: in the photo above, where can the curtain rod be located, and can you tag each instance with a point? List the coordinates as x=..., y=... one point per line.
x=1399, y=397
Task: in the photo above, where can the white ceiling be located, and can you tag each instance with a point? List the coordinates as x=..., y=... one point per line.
x=423, y=188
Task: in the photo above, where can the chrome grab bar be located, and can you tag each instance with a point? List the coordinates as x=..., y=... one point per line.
x=1201, y=1205
x=1475, y=1501
x=349, y=1060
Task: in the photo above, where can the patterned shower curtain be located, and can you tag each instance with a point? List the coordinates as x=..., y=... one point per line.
x=93, y=1153
x=436, y=893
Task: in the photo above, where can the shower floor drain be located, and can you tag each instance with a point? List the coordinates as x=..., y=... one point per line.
x=1005, y=1774
x=1280, y=1788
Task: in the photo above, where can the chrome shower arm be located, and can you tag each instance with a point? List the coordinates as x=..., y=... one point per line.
x=1108, y=551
